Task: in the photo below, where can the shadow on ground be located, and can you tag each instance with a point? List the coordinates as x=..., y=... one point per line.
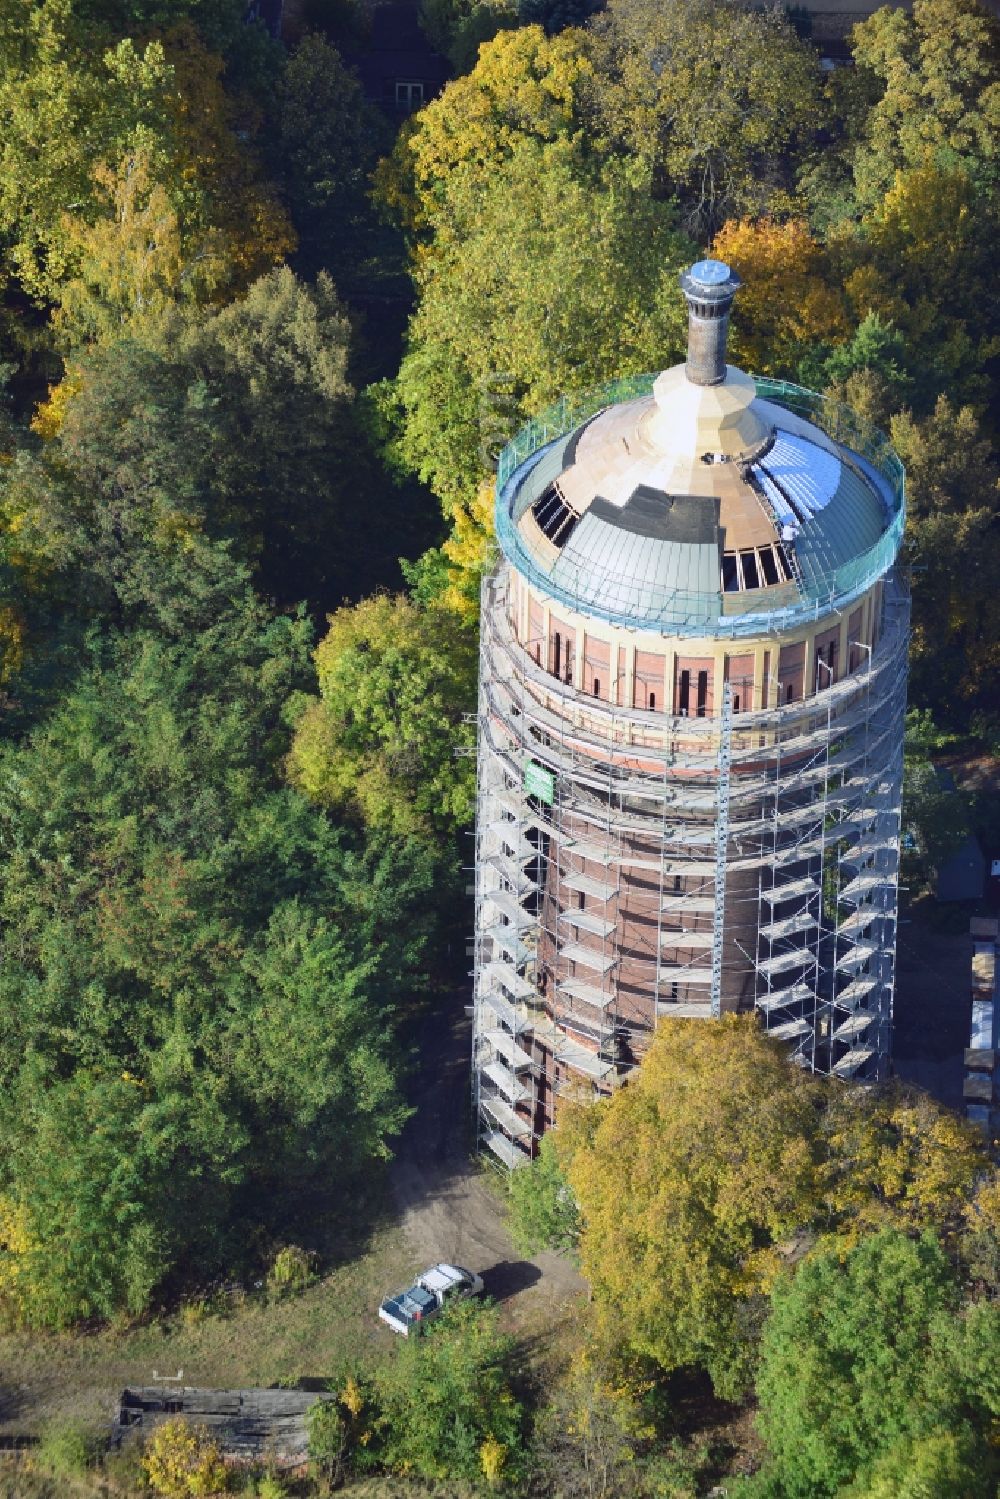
x=446, y=1206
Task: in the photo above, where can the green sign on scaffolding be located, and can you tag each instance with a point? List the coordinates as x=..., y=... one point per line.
x=539, y=782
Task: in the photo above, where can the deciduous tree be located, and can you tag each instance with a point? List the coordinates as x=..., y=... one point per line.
x=859, y=1366
x=235, y=424
x=693, y=1176
x=921, y=261
x=382, y=739
x=328, y=141
x=525, y=86
x=550, y=302
x=715, y=98
x=953, y=484
x=939, y=70
x=99, y=106
x=789, y=300
x=896, y=1157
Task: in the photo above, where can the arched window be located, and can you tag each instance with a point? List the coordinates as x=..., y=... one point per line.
x=597, y=686
x=652, y=702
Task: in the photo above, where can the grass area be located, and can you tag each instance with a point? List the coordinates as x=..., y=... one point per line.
x=47, y=1378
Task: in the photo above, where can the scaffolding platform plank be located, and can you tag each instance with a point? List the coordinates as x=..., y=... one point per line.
x=854, y=1027
x=857, y=990
x=795, y=888
x=581, y=1060
x=798, y=853
x=508, y=868
x=588, y=994
x=799, y=957
x=508, y=906
x=505, y=1013
x=597, y=853
x=857, y=956
x=686, y=868
x=684, y=1009
x=505, y=974
x=789, y=926
x=859, y=922
x=698, y=905
x=673, y=937
x=575, y=952
x=599, y=926
x=791, y=1031
x=590, y=884
x=852, y=1061
x=784, y=999
x=863, y=884
x=501, y=1077
x=508, y=941
x=679, y=973
x=508, y=1048
x=505, y=1150
x=504, y=1115
x=511, y=834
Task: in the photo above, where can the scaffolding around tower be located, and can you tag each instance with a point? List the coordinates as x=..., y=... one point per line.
x=610, y=850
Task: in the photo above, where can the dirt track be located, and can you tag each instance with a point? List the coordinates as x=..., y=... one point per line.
x=447, y=1209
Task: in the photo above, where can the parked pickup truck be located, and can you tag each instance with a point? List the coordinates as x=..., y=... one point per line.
x=435, y=1289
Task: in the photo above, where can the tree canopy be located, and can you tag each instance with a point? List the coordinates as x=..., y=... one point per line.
x=718, y=1163
x=689, y=1181
x=381, y=740
x=715, y=99
x=868, y=1366
x=940, y=92
x=521, y=300
x=201, y=972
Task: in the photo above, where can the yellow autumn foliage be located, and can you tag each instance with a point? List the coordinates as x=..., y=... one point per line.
x=16, y=1245
x=689, y=1180
x=701, y=1180
x=182, y=1461
x=467, y=550
x=50, y=414
x=897, y=1159
x=790, y=298
x=524, y=84
x=492, y=1457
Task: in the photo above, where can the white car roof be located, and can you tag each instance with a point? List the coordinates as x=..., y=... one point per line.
x=440, y=1277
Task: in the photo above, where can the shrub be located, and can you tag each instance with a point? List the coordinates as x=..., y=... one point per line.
x=446, y=1397
x=339, y=1430
x=543, y=1210
x=270, y=1487
x=292, y=1270
x=67, y=1449
x=182, y=1461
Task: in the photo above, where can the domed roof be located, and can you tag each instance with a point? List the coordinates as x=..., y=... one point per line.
x=700, y=501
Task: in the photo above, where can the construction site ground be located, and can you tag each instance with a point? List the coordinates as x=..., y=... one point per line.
x=434, y=1205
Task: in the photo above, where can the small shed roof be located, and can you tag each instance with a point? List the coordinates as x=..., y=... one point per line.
x=247, y=1424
